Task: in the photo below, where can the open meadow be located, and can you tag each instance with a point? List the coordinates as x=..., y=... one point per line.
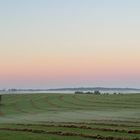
x=70, y=116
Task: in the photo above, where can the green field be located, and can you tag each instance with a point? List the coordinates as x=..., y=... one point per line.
x=69, y=116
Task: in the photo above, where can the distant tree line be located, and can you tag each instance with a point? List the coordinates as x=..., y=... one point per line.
x=96, y=92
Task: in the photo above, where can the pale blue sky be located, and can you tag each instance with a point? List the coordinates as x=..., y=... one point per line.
x=69, y=43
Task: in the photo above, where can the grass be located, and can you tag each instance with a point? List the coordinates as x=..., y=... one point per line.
x=68, y=116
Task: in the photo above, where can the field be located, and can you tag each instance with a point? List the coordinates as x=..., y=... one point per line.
x=70, y=117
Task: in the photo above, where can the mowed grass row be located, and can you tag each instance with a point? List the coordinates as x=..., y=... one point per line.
x=61, y=116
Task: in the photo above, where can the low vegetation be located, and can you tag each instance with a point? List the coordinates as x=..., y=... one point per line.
x=70, y=116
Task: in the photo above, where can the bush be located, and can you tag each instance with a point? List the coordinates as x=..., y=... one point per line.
x=78, y=92
x=96, y=92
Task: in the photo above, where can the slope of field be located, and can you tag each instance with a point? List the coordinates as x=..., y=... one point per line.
x=68, y=116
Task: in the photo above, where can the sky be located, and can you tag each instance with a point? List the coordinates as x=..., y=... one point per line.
x=69, y=43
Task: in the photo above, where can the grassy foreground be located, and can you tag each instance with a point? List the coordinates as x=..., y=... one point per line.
x=68, y=117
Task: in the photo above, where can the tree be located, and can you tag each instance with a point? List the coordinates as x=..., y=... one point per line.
x=96, y=92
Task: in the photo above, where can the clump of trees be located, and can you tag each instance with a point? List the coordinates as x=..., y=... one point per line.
x=96, y=92
x=79, y=92
x=88, y=92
